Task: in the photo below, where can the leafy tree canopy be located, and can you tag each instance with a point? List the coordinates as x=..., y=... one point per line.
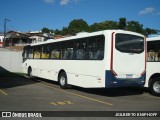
x=79, y=25
x=76, y=26
x=122, y=23
x=45, y=30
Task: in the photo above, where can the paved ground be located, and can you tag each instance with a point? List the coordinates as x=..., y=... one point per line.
x=4, y=49
x=18, y=93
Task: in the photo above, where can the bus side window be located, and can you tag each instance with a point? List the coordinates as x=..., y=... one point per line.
x=80, y=49
x=153, y=51
x=159, y=55
x=37, y=52
x=45, y=52
x=67, y=50
x=151, y=55
x=156, y=56
x=55, y=51
x=25, y=53
x=70, y=53
x=64, y=52
x=96, y=48
x=70, y=49
x=30, y=53
x=84, y=47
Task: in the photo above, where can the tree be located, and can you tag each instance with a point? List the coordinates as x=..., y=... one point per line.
x=103, y=26
x=122, y=23
x=149, y=31
x=45, y=30
x=110, y=25
x=64, y=31
x=57, y=32
x=135, y=27
x=96, y=27
x=78, y=25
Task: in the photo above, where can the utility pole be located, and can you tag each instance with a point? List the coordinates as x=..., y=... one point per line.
x=4, y=40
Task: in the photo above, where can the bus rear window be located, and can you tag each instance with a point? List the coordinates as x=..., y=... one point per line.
x=129, y=43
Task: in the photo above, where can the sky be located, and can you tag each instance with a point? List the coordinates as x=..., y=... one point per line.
x=33, y=15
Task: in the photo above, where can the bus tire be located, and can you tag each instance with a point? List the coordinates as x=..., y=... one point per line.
x=30, y=73
x=155, y=86
x=63, y=80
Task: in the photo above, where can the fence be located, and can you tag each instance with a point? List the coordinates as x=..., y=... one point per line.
x=10, y=61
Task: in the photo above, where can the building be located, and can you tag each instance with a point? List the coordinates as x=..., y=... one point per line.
x=36, y=36
x=36, y=39
x=14, y=38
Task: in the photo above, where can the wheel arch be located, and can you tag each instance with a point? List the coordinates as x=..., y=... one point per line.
x=29, y=69
x=61, y=71
x=155, y=75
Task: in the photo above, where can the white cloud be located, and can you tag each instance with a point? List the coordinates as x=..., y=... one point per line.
x=64, y=2
x=49, y=1
x=76, y=1
x=148, y=10
x=158, y=13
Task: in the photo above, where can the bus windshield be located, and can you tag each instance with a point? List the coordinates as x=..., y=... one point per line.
x=129, y=43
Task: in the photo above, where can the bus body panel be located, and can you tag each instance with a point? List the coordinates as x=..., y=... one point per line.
x=124, y=71
x=152, y=69
x=112, y=81
x=93, y=73
x=90, y=76
x=130, y=67
x=124, y=63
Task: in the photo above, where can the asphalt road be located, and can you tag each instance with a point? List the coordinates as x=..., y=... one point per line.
x=18, y=93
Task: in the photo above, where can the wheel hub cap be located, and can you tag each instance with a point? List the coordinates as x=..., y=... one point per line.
x=156, y=86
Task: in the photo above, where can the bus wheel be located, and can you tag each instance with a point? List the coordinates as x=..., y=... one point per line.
x=30, y=73
x=155, y=86
x=63, y=80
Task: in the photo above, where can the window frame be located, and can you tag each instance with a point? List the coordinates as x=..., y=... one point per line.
x=154, y=48
x=128, y=48
x=67, y=46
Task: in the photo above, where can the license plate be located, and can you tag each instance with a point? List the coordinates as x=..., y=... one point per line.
x=129, y=76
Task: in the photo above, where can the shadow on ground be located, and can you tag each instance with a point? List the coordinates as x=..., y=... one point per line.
x=9, y=80
x=110, y=92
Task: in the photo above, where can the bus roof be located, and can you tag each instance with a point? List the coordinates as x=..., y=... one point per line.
x=153, y=38
x=83, y=35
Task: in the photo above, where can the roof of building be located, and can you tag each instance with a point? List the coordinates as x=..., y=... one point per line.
x=14, y=34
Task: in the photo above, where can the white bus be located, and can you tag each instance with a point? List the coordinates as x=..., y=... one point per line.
x=153, y=65
x=110, y=58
